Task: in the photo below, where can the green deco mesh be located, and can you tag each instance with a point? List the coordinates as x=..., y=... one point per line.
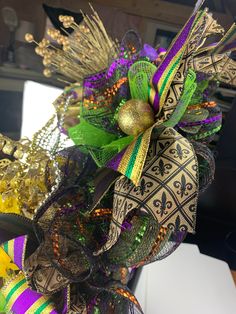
x=135, y=244
x=102, y=155
x=139, y=76
x=102, y=145
x=199, y=92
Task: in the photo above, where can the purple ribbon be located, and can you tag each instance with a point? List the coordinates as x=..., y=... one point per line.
x=19, y=245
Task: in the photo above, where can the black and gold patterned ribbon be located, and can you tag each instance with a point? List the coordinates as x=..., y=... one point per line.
x=168, y=188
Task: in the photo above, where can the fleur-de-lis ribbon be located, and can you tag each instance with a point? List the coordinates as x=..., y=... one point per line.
x=168, y=188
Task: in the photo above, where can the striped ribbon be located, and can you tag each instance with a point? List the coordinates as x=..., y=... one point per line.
x=15, y=249
x=162, y=79
x=20, y=299
x=131, y=160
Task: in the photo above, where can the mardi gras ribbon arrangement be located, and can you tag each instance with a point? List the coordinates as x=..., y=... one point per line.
x=76, y=222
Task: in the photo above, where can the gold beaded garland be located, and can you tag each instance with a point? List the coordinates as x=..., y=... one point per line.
x=135, y=116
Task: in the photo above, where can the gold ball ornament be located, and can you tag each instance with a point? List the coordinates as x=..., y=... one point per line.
x=135, y=116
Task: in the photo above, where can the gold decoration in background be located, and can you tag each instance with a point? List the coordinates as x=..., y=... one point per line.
x=135, y=117
x=24, y=164
x=87, y=50
x=22, y=182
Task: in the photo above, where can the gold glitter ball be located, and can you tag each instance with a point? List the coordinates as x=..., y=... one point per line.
x=135, y=116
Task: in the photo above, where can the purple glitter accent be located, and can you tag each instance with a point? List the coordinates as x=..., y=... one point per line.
x=95, y=77
x=93, y=85
x=95, y=81
x=126, y=226
x=196, y=123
